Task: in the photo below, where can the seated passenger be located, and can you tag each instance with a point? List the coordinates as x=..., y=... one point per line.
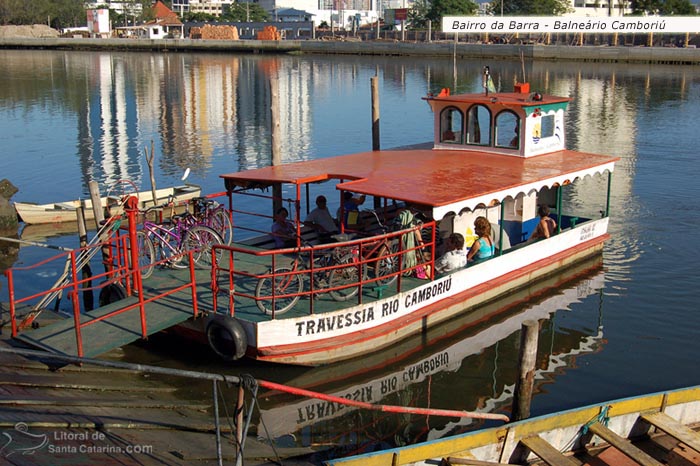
x=283, y=231
x=483, y=246
x=320, y=219
x=351, y=210
x=546, y=227
x=455, y=256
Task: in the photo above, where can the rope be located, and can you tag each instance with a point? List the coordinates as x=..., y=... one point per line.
x=602, y=417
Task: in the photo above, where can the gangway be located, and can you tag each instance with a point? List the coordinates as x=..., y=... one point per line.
x=119, y=323
x=168, y=298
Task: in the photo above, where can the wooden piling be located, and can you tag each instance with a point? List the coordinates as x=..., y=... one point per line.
x=526, y=370
x=375, y=112
x=275, y=138
x=88, y=296
x=98, y=211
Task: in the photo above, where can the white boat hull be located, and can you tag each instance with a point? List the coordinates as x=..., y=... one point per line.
x=353, y=331
x=60, y=212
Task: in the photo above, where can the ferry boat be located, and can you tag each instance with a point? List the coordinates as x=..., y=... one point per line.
x=494, y=155
x=375, y=282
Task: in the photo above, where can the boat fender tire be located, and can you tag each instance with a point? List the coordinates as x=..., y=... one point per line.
x=111, y=294
x=227, y=338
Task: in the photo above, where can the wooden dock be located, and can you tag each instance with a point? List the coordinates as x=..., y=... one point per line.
x=97, y=415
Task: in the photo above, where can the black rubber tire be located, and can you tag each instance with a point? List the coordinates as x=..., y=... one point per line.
x=227, y=338
x=111, y=294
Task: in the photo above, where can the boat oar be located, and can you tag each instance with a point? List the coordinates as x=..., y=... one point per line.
x=34, y=243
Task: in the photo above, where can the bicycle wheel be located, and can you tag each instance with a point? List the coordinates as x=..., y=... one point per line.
x=221, y=223
x=346, y=277
x=386, y=265
x=147, y=253
x=286, y=282
x=200, y=240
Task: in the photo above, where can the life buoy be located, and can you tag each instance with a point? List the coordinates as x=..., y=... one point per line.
x=111, y=294
x=227, y=338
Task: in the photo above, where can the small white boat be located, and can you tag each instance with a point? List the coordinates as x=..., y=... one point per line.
x=651, y=429
x=60, y=212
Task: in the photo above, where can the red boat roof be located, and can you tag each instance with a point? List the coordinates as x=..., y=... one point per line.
x=511, y=99
x=444, y=179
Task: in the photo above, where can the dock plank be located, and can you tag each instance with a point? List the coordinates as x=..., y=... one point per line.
x=624, y=445
x=674, y=428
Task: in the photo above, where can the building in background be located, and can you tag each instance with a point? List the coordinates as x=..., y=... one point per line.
x=98, y=23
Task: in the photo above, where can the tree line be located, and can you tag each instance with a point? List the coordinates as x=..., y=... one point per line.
x=71, y=13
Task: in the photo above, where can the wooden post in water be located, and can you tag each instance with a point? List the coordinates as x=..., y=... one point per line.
x=99, y=220
x=374, y=80
x=88, y=296
x=526, y=370
x=275, y=143
x=149, y=159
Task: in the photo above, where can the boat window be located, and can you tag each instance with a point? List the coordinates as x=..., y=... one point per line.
x=507, y=130
x=451, y=126
x=547, y=123
x=479, y=125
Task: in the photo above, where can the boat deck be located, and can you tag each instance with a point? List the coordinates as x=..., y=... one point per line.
x=100, y=336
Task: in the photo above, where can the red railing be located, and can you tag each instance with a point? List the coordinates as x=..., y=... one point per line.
x=117, y=272
x=365, y=255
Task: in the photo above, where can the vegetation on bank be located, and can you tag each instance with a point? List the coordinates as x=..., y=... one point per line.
x=61, y=14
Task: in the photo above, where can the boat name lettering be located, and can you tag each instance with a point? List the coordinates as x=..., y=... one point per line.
x=587, y=232
x=338, y=321
x=425, y=294
x=322, y=410
x=388, y=385
x=390, y=307
x=415, y=372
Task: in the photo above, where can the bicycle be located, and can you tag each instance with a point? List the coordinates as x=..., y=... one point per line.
x=214, y=215
x=171, y=242
x=382, y=255
x=279, y=291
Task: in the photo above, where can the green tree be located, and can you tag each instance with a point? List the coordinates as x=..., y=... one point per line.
x=529, y=7
x=56, y=13
x=418, y=15
x=440, y=8
x=198, y=17
x=663, y=7
x=246, y=11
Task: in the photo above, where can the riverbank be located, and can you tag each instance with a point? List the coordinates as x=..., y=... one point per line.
x=605, y=54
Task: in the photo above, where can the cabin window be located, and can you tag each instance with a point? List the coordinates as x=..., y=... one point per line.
x=451, y=126
x=547, y=123
x=507, y=130
x=479, y=125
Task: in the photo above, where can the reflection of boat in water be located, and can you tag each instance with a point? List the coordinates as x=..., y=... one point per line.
x=43, y=231
x=652, y=429
x=400, y=369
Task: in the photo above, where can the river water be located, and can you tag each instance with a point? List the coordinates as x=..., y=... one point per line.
x=623, y=328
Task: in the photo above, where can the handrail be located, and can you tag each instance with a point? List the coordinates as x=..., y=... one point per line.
x=361, y=244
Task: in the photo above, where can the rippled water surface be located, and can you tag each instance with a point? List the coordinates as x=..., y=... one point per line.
x=624, y=328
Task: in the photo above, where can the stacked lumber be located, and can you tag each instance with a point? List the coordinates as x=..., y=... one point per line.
x=269, y=33
x=214, y=32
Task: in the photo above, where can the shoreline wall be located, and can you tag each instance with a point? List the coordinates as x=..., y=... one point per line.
x=605, y=54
